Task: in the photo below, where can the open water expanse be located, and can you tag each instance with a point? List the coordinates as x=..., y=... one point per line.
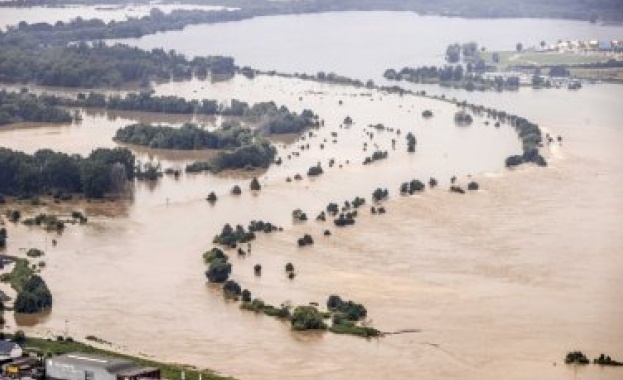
x=501, y=283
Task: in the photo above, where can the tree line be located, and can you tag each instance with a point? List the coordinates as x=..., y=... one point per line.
x=19, y=107
x=99, y=65
x=188, y=137
x=49, y=172
x=259, y=154
x=608, y=10
x=469, y=78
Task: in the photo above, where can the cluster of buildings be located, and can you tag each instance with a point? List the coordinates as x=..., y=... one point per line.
x=75, y=366
x=590, y=46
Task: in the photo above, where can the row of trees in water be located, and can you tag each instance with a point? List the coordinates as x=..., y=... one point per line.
x=279, y=119
x=344, y=314
x=20, y=107
x=100, y=65
x=48, y=172
x=572, y=9
x=453, y=75
x=188, y=137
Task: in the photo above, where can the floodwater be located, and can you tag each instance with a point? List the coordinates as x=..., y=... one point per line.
x=502, y=282
x=12, y=16
x=362, y=44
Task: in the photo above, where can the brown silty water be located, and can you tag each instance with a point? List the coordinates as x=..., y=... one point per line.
x=501, y=282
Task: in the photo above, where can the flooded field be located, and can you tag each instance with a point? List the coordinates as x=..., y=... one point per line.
x=501, y=283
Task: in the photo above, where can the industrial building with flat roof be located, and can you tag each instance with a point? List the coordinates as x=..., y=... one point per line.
x=95, y=367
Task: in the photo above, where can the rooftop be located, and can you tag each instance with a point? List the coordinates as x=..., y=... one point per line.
x=111, y=365
x=6, y=347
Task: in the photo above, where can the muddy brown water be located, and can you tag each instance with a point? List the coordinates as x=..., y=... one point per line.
x=501, y=283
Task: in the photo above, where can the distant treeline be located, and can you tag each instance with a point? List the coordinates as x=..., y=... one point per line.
x=257, y=155
x=470, y=79
x=566, y=9
x=19, y=107
x=98, y=65
x=54, y=173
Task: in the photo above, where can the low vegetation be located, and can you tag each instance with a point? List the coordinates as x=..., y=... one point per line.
x=33, y=294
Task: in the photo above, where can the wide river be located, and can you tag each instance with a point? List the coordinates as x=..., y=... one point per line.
x=502, y=283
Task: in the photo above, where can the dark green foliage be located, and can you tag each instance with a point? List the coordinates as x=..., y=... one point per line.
x=213, y=254
x=283, y=122
x=259, y=306
x=258, y=155
x=606, y=360
x=380, y=194
x=246, y=296
x=305, y=240
x=34, y=252
x=358, y=202
x=262, y=226
x=348, y=309
x=230, y=236
x=19, y=336
x=218, y=270
x=412, y=187
x=198, y=166
x=377, y=155
x=19, y=107
x=344, y=220
x=512, y=161
x=334, y=301
x=3, y=237
x=411, y=142
x=255, y=184
x=457, y=189
x=307, y=318
x=34, y=296
x=22, y=60
x=14, y=215
x=350, y=328
x=298, y=215
x=315, y=171
x=211, y=197
x=47, y=171
x=333, y=208
x=188, y=137
x=232, y=289
x=576, y=357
